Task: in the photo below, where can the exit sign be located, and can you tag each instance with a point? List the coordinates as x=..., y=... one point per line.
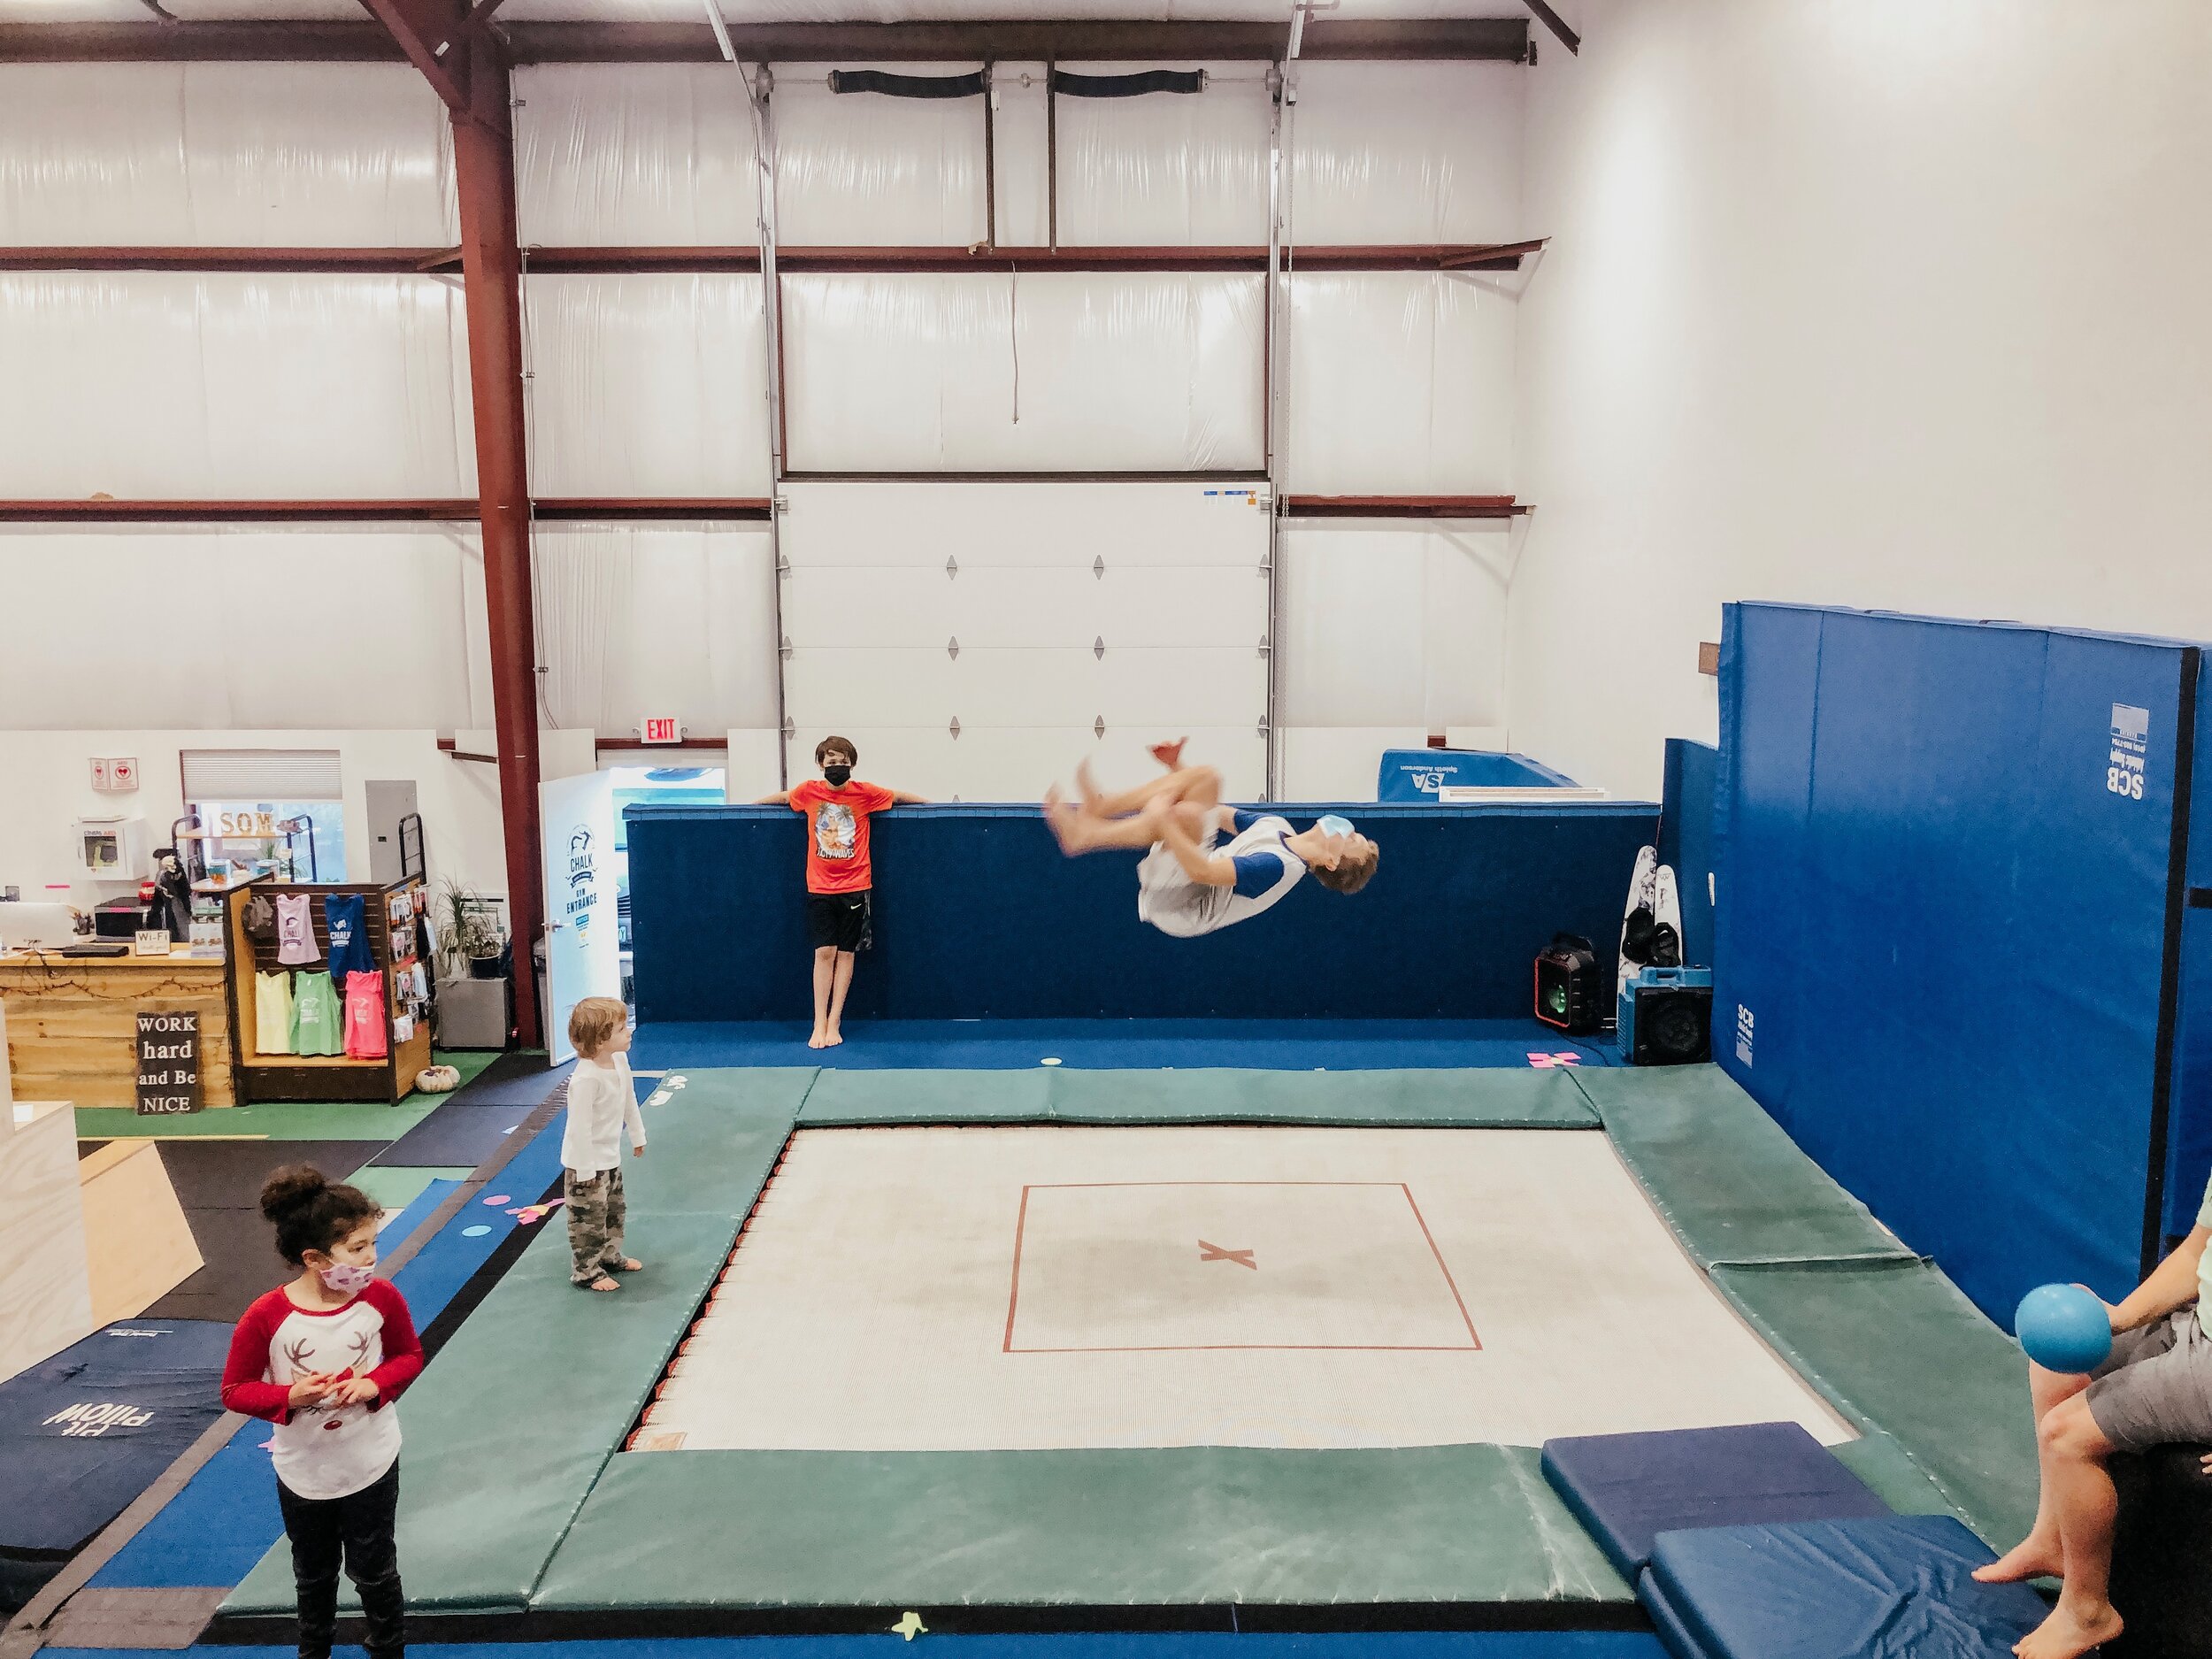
x=662, y=729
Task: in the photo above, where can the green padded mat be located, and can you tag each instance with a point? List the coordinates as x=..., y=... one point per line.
x=1484, y=1098
x=508, y=1430
x=1730, y=1182
x=1896, y=1345
x=1173, y=1527
x=1889, y=1471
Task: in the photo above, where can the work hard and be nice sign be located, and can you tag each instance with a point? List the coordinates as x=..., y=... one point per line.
x=168, y=1063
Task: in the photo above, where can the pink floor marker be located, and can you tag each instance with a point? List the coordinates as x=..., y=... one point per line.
x=496, y=1199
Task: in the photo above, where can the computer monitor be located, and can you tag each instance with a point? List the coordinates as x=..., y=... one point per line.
x=29, y=922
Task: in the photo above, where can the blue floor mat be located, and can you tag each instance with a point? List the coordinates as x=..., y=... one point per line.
x=997, y=1045
x=225, y=1518
x=1565, y=1644
x=419, y=1209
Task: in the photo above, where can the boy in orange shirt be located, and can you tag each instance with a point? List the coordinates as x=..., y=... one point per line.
x=839, y=876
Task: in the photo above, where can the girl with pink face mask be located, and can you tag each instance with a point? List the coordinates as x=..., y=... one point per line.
x=323, y=1357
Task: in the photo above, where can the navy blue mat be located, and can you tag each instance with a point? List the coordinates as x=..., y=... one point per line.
x=1898, y=1588
x=998, y=1045
x=82, y=1433
x=1625, y=1489
x=456, y=1136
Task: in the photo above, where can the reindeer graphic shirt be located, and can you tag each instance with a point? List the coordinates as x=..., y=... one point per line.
x=325, y=1452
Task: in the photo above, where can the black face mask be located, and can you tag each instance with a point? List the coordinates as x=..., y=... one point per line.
x=838, y=774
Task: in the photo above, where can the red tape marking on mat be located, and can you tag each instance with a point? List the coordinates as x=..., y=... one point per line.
x=1214, y=1253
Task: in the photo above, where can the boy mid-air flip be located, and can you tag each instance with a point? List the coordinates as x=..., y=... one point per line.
x=1185, y=884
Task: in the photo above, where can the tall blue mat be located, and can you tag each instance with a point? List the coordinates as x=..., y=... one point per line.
x=976, y=913
x=1949, y=936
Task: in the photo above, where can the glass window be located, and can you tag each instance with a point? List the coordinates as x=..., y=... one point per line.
x=296, y=841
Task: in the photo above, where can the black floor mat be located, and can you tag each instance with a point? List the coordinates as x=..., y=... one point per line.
x=218, y=1183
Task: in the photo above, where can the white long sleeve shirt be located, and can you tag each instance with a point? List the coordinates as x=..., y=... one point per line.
x=601, y=1101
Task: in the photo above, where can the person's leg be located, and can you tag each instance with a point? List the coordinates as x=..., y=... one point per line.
x=2075, y=1450
x=824, y=977
x=313, y=1528
x=368, y=1518
x=1198, y=784
x=587, y=1206
x=840, y=982
x=1080, y=831
x=610, y=1256
x=2039, y=1555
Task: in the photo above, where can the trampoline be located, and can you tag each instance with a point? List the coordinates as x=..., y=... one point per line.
x=1170, y=1349
x=939, y=1288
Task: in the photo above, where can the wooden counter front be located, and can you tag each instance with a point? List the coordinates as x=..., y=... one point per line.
x=73, y=1032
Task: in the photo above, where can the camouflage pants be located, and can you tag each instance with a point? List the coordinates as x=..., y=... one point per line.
x=596, y=1210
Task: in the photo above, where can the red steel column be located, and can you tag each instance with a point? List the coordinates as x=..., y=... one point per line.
x=491, y=268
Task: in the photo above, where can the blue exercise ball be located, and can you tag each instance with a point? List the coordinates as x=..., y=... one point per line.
x=2064, y=1328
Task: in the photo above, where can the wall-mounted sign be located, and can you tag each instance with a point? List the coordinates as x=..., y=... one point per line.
x=659, y=728
x=168, y=1063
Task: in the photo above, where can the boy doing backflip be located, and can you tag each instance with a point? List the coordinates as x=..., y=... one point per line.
x=1187, y=883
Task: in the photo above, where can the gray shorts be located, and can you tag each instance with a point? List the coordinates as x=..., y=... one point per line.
x=2156, y=1389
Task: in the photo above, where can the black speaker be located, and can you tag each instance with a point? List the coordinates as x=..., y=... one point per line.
x=1567, y=986
x=1666, y=1016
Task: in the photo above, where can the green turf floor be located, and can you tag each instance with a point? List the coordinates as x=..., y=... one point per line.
x=285, y=1120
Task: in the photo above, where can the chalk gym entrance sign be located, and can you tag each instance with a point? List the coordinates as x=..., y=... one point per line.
x=168, y=1062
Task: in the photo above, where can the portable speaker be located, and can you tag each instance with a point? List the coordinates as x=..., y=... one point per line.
x=1567, y=986
x=1666, y=1016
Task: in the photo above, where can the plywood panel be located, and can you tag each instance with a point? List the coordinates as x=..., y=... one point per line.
x=139, y=1246
x=45, y=1290
x=73, y=1030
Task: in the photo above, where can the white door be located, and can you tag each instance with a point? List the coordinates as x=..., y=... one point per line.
x=583, y=953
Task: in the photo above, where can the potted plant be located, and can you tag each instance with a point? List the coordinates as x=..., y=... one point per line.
x=467, y=924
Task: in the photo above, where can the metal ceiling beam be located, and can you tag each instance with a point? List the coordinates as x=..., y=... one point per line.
x=1092, y=41
x=425, y=32
x=1557, y=25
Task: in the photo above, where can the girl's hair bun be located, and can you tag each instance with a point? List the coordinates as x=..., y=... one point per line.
x=288, y=1188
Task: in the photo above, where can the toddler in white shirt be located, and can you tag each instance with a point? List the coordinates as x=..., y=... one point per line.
x=601, y=1101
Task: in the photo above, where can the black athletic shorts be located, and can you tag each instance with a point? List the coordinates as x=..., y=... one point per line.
x=839, y=919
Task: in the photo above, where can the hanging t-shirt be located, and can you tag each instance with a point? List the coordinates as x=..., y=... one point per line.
x=295, y=931
x=346, y=916
x=837, y=833
x=272, y=1013
x=317, y=1025
x=366, y=1038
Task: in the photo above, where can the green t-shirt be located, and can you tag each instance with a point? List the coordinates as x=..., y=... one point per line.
x=2204, y=1265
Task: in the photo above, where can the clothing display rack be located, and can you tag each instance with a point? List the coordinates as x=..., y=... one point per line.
x=389, y=913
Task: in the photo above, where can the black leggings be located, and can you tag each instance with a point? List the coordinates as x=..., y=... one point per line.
x=357, y=1526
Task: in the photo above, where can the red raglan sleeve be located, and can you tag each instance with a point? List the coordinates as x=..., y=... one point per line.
x=402, y=1348
x=246, y=1387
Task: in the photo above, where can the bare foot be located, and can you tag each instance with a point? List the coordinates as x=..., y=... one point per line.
x=817, y=1040
x=631, y=1264
x=1064, y=821
x=2035, y=1556
x=833, y=1039
x=2070, y=1631
x=1170, y=754
x=604, y=1283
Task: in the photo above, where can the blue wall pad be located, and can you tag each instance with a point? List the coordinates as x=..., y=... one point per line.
x=1415, y=774
x=1627, y=1489
x=976, y=913
x=1897, y=1588
x=85, y=1432
x=974, y=1045
x=1685, y=840
x=1948, y=935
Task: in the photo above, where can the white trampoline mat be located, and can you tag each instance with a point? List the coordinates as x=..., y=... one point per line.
x=1023, y=1288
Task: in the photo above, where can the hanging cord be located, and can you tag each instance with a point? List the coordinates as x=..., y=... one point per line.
x=1013, y=333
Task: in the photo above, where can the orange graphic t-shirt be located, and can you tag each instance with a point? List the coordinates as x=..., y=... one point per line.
x=837, y=833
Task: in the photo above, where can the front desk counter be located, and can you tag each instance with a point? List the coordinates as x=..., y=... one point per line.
x=73, y=1029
